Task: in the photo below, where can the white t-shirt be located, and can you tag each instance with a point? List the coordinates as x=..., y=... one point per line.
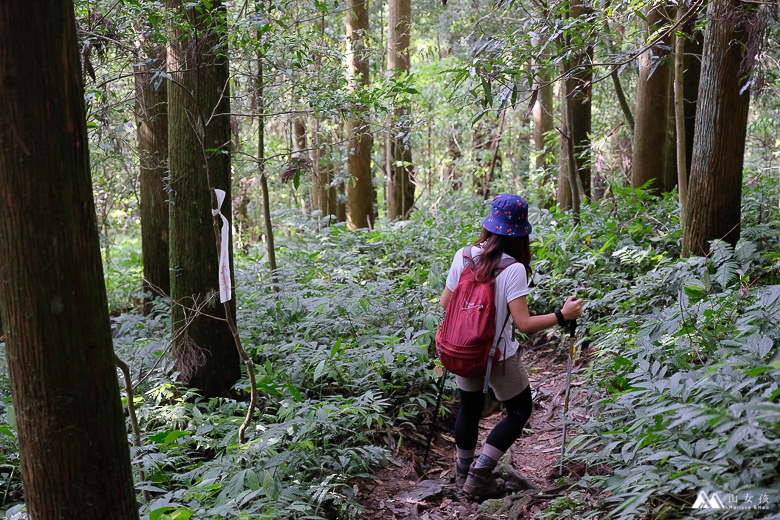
x=511, y=284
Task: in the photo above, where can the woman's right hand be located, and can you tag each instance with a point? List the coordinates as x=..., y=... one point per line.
x=572, y=309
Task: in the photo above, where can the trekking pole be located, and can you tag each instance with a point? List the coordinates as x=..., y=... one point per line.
x=442, y=373
x=572, y=332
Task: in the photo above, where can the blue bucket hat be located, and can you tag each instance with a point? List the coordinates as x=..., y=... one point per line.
x=508, y=216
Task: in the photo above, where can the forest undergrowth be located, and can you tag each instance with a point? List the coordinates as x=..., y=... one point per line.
x=684, y=387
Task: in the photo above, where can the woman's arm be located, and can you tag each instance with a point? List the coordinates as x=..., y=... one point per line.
x=445, y=298
x=528, y=324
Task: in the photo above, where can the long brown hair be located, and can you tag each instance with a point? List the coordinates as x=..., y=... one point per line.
x=493, y=248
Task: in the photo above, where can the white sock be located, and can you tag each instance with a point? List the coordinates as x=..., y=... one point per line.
x=466, y=456
x=489, y=457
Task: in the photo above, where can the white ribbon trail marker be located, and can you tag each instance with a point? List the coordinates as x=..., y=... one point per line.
x=224, y=257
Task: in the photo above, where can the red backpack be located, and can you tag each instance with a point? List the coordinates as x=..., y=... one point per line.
x=467, y=339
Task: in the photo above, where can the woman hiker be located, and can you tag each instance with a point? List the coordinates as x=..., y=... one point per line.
x=505, y=234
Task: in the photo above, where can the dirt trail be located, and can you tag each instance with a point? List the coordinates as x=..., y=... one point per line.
x=402, y=490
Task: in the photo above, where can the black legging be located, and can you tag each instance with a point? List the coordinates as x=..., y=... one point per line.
x=518, y=410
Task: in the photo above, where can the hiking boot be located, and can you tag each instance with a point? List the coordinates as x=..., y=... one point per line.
x=461, y=474
x=480, y=483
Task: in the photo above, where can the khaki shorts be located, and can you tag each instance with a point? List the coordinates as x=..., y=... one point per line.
x=507, y=379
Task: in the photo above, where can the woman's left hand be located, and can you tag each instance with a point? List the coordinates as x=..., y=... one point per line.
x=572, y=309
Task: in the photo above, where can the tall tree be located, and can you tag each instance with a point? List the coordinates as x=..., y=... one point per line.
x=322, y=171
x=568, y=142
x=400, y=183
x=319, y=198
x=199, y=138
x=615, y=74
x=715, y=185
x=576, y=107
x=323, y=195
x=581, y=102
x=651, y=145
x=563, y=191
x=542, y=112
x=691, y=76
x=74, y=453
x=151, y=119
x=360, y=192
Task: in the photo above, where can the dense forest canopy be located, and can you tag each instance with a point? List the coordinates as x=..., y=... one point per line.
x=275, y=350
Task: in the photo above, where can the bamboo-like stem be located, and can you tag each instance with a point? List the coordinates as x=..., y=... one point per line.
x=133, y=420
x=269, y=230
x=250, y=370
x=679, y=116
x=250, y=366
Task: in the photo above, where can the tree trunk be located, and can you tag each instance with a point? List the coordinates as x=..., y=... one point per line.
x=576, y=117
x=715, y=187
x=621, y=95
x=572, y=160
x=543, y=124
x=73, y=444
x=300, y=157
x=151, y=119
x=199, y=133
x=670, y=169
x=400, y=183
x=580, y=101
x=563, y=196
x=338, y=172
x=326, y=195
x=542, y=114
x=651, y=141
x=360, y=192
x=317, y=176
x=299, y=137
x=691, y=76
x=341, y=206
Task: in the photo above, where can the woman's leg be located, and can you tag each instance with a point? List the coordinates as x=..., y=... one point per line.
x=518, y=410
x=506, y=432
x=467, y=422
x=467, y=432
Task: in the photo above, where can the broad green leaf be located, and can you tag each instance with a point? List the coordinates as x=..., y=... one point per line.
x=269, y=486
x=168, y=437
x=157, y=513
x=236, y=484
x=10, y=416
x=318, y=370
x=180, y=514
x=335, y=348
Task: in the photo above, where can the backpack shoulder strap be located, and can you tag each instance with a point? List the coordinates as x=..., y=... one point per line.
x=468, y=259
x=496, y=339
x=505, y=262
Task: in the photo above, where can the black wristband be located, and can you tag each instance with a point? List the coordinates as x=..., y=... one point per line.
x=559, y=315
